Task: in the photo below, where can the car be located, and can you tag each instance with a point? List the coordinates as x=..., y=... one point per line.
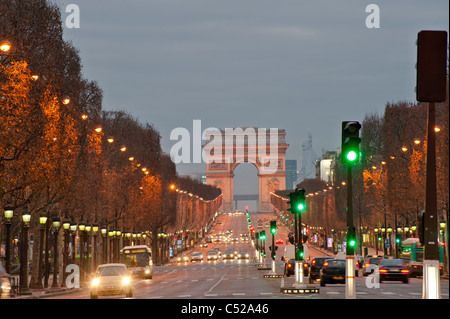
x=182, y=258
x=234, y=239
x=111, y=279
x=229, y=254
x=204, y=245
x=289, y=267
x=316, y=267
x=5, y=285
x=393, y=269
x=196, y=256
x=212, y=255
x=243, y=255
x=332, y=272
x=370, y=265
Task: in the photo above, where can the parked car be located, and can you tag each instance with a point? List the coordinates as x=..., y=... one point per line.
x=316, y=267
x=333, y=272
x=394, y=269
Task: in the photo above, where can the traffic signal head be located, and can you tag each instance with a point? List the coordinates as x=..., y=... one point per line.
x=297, y=201
x=351, y=240
x=350, y=142
x=273, y=226
x=431, y=79
x=301, y=253
x=263, y=235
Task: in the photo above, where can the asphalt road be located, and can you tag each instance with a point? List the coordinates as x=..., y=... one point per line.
x=241, y=279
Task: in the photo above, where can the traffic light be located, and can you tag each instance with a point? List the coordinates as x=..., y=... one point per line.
x=350, y=142
x=263, y=235
x=273, y=226
x=431, y=66
x=301, y=253
x=397, y=239
x=297, y=201
x=351, y=240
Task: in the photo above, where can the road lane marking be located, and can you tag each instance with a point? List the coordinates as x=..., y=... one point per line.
x=238, y=294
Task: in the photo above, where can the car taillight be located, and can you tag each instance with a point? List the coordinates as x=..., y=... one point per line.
x=367, y=265
x=383, y=270
x=404, y=271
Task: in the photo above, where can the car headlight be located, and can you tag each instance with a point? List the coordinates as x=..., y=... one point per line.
x=126, y=281
x=95, y=282
x=147, y=271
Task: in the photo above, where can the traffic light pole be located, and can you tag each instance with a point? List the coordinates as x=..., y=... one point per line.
x=272, y=272
x=431, y=281
x=350, y=284
x=298, y=263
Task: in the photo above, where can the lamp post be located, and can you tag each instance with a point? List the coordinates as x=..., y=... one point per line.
x=73, y=230
x=81, y=230
x=56, y=224
x=66, y=229
x=26, y=217
x=42, y=222
x=95, y=232
x=8, y=214
x=104, y=232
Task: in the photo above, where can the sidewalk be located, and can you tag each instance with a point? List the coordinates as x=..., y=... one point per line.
x=44, y=292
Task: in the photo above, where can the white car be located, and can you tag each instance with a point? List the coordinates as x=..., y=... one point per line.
x=111, y=279
x=197, y=256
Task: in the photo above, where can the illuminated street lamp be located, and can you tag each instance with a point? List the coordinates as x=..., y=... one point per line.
x=42, y=221
x=5, y=46
x=56, y=223
x=26, y=217
x=66, y=229
x=8, y=214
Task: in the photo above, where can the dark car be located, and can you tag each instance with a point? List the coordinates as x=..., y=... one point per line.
x=316, y=266
x=370, y=265
x=333, y=272
x=394, y=269
x=289, y=268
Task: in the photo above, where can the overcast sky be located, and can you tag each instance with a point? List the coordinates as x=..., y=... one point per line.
x=303, y=66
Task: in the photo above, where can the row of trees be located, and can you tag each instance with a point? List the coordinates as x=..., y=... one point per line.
x=61, y=153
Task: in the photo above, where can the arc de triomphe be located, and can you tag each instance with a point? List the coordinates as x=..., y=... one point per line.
x=226, y=149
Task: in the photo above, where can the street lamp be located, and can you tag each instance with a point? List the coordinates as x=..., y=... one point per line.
x=66, y=229
x=8, y=213
x=42, y=221
x=5, y=46
x=56, y=224
x=26, y=217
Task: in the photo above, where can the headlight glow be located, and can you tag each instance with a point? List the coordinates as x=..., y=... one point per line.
x=126, y=280
x=95, y=282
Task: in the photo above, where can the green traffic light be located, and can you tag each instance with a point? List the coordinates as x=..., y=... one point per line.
x=301, y=206
x=352, y=243
x=352, y=156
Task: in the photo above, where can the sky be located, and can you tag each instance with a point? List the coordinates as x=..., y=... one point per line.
x=302, y=66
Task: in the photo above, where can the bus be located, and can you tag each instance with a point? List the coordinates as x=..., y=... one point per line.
x=138, y=260
x=411, y=251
